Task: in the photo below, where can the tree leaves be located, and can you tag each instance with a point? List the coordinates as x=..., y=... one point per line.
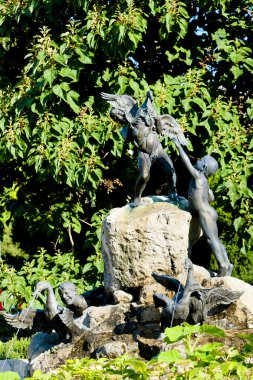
x=197, y=59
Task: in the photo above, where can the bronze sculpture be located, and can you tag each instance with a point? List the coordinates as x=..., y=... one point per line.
x=192, y=303
x=53, y=317
x=63, y=319
x=199, y=197
x=74, y=302
x=142, y=125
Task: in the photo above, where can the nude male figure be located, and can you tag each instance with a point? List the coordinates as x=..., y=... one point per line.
x=78, y=303
x=74, y=302
x=199, y=195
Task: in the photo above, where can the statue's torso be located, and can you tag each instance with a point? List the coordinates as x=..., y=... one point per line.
x=145, y=137
x=198, y=196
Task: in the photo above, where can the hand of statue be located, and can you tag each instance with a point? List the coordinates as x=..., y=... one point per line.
x=40, y=286
x=149, y=95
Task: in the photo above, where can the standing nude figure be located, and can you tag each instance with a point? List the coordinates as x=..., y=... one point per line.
x=199, y=196
x=143, y=126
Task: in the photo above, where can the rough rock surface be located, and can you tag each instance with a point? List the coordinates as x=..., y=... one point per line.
x=201, y=274
x=105, y=318
x=19, y=366
x=239, y=315
x=113, y=350
x=109, y=330
x=155, y=237
x=122, y=297
x=145, y=239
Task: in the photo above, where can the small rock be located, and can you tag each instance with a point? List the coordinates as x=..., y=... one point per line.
x=20, y=366
x=104, y=318
x=113, y=350
x=122, y=297
x=201, y=274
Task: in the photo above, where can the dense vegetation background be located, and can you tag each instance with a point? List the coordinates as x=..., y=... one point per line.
x=63, y=163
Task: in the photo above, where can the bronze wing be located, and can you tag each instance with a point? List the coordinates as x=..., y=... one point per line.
x=217, y=299
x=124, y=103
x=171, y=128
x=33, y=319
x=170, y=283
x=72, y=329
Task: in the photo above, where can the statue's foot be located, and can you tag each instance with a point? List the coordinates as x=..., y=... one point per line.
x=173, y=196
x=140, y=202
x=135, y=203
x=222, y=272
x=230, y=269
x=225, y=270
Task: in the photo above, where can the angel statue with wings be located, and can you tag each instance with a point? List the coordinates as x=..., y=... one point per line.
x=143, y=125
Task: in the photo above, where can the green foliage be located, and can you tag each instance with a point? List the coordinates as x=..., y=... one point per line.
x=213, y=360
x=16, y=348
x=18, y=286
x=8, y=246
x=59, y=149
x=9, y=376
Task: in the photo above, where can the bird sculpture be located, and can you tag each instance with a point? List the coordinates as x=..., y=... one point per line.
x=191, y=303
x=52, y=317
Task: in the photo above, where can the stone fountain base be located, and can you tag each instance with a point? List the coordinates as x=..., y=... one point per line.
x=132, y=328
x=155, y=237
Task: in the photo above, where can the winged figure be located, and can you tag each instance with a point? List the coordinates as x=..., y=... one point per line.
x=142, y=125
x=192, y=303
x=53, y=317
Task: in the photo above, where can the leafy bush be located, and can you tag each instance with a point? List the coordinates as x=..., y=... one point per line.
x=18, y=286
x=16, y=348
x=209, y=361
x=62, y=159
x=9, y=376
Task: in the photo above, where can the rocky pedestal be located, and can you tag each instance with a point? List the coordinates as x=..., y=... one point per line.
x=20, y=366
x=155, y=237
x=109, y=331
x=150, y=238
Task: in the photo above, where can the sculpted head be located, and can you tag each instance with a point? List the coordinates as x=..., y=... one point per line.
x=67, y=292
x=208, y=165
x=118, y=115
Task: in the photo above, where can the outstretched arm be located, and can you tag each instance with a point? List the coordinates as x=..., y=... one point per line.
x=185, y=158
x=51, y=306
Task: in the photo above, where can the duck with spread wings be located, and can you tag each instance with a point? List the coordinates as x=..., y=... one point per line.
x=142, y=125
x=192, y=303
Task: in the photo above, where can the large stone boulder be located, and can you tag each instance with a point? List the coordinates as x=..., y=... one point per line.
x=150, y=238
x=108, y=331
x=19, y=366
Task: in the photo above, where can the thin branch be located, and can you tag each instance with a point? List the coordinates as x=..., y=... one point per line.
x=84, y=221
x=70, y=236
